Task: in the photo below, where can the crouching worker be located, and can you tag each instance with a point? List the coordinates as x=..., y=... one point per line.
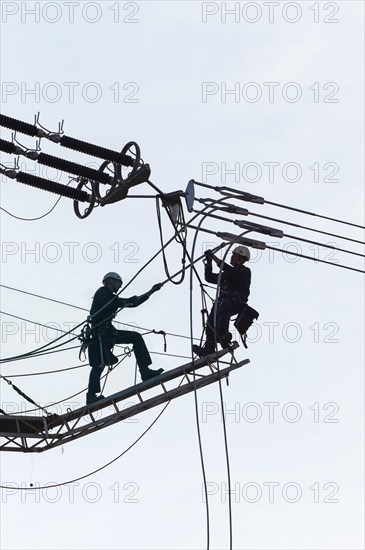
x=234, y=290
x=104, y=335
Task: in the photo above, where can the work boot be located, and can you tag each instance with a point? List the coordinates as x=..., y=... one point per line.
x=150, y=373
x=225, y=339
x=92, y=398
x=201, y=351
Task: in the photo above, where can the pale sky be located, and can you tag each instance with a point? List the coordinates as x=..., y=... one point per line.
x=267, y=99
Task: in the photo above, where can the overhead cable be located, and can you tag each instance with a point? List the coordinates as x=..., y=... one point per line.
x=261, y=245
x=314, y=259
x=261, y=200
x=243, y=211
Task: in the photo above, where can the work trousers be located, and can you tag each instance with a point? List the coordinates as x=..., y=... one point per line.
x=226, y=307
x=121, y=337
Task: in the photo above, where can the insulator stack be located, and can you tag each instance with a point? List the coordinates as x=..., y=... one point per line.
x=74, y=168
x=7, y=146
x=95, y=151
x=53, y=187
x=18, y=125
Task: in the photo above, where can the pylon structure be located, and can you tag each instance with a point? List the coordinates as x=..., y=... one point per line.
x=35, y=434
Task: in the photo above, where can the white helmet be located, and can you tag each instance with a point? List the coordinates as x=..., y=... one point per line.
x=242, y=251
x=112, y=275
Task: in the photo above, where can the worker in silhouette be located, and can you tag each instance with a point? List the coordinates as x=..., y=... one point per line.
x=234, y=289
x=104, y=335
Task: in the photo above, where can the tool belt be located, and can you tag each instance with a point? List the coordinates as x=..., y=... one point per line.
x=244, y=320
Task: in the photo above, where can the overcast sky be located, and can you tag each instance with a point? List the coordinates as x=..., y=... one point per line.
x=265, y=97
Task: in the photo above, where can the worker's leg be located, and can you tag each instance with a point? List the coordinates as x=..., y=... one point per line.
x=139, y=347
x=210, y=340
x=224, y=312
x=227, y=308
x=96, y=362
x=94, y=380
x=209, y=345
x=140, y=351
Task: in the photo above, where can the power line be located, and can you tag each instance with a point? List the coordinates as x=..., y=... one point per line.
x=261, y=200
x=265, y=246
x=324, y=245
x=41, y=354
x=313, y=214
x=313, y=259
x=82, y=309
x=285, y=222
x=305, y=227
x=261, y=229
x=24, y=374
x=35, y=323
x=36, y=352
x=60, y=330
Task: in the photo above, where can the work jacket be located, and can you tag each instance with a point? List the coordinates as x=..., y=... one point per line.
x=235, y=281
x=109, y=303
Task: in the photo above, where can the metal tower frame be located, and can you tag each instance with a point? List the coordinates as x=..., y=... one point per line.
x=35, y=434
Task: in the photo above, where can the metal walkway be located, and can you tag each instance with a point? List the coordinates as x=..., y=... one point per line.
x=35, y=434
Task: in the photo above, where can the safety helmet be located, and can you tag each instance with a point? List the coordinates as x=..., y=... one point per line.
x=112, y=275
x=242, y=251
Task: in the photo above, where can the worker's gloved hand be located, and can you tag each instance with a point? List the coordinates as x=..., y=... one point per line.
x=209, y=255
x=156, y=287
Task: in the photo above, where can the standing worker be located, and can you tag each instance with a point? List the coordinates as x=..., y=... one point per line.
x=104, y=335
x=234, y=291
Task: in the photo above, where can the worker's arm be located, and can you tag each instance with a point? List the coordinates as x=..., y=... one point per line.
x=211, y=277
x=135, y=301
x=209, y=255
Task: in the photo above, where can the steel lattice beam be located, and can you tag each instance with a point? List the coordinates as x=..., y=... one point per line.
x=37, y=434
